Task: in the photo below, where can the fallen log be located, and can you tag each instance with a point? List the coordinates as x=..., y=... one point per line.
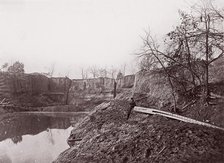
x=174, y=116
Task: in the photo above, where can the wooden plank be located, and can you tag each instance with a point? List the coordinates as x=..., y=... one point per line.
x=174, y=116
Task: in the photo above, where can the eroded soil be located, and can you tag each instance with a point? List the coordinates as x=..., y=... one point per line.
x=108, y=137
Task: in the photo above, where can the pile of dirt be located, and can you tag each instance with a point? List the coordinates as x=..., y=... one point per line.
x=106, y=136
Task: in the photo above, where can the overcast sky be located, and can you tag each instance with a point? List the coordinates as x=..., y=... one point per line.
x=72, y=34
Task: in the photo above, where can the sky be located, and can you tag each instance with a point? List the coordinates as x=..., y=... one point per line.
x=74, y=34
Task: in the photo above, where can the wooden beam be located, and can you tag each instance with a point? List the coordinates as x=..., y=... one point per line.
x=174, y=116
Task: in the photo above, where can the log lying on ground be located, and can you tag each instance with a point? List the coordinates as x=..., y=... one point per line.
x=174, y=116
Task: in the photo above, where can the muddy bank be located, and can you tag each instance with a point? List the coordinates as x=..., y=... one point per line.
x=106, y=136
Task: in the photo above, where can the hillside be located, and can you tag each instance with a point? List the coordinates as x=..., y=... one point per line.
x=108, y=137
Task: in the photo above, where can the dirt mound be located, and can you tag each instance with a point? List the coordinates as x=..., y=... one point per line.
x=106, y=136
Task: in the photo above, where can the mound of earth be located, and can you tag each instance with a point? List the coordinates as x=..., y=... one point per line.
x=106, y=136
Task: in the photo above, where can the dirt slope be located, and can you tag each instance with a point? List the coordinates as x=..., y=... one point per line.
x=108, y=137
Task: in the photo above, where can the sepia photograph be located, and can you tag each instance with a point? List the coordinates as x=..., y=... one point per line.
x=111, y=81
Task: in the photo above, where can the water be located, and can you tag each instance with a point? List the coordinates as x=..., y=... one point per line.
x=34, y=138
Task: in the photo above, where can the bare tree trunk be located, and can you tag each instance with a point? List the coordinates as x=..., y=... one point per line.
x=189, y=61
x=170, y=82
x=155, y=52
x=207, y=25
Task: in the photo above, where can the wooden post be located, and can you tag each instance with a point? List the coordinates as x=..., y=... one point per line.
x=67, y=88
x=115, y=89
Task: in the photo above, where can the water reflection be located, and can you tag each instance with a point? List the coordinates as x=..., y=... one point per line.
x=34, y=138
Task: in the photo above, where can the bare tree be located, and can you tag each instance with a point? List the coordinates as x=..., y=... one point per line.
x=119, y=75
x=84, y=73
x=4, y=66
x=151, y=49
x=219, y=12
x=123, y=69
x=103, y=72
x=112, y=72
x=67, y=73
x=193, y=45
x=51, y=70
x=207, y=37
x=211, y=39
x=17, y=67
x=147, y=62
x=94, y=71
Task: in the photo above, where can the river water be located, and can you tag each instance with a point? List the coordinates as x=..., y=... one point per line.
x=35, y=137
